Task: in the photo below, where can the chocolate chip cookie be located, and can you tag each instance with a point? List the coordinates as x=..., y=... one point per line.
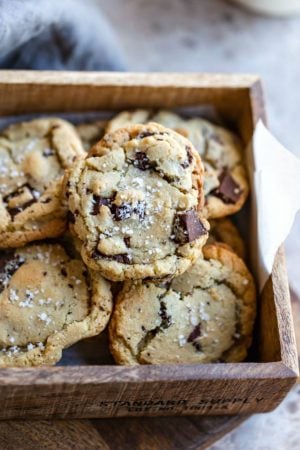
x=33, y=156
x=224, y=230
x=225, y=180
x=90, y=133
x=135, y=203
x=48, y=301
x=205, y=315
x=125, y=118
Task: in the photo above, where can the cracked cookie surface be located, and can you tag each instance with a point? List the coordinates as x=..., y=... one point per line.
x=224, y=231
x=204, y=315
x=33, y=156
x=225, y=180
x=135, y=203
x=48, y=301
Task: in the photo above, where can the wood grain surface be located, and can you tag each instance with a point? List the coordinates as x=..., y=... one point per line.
x=167, y=433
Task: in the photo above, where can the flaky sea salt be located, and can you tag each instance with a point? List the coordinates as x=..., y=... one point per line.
x=44, y=317
x=181, y=340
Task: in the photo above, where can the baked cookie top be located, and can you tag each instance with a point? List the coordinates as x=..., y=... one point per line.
x=33, y=156
x=48, y=301
x=225, y=181
x=135, y=202
x=126, y=118
x=205, y=315
x=91, y=132
x=224, y=231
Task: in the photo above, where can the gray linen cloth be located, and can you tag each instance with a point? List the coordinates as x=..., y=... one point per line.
x=57, y=35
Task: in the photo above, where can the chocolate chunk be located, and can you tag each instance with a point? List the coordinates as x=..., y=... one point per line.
x=14, y=194
x=9, y=264
x=64, y=272
x=187, y=227
x=126, y=210
x=229, y=191
x=189, y=158
x=145, y=134
x=98, y=202
x=142, y=161
x=96, y=254
x=197, y=346
x=48, y=152
x=195, y=333
x=35, y=194
x=166, y=319
x=127, y=241
x=5, y=258
x=122, y=258
x=47, y=200
x=122, y=212
x=14, y=211
x=70, y=217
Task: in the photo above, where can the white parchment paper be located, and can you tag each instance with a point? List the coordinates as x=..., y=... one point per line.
x=275, y=178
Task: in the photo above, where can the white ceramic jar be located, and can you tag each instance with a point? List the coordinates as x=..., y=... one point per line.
x=272, y=7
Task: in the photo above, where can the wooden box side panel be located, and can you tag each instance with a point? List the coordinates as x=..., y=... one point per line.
x=110, y=392
x=281, y=296
x=23, y=92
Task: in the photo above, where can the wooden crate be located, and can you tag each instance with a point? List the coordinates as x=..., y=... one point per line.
x=107, y=391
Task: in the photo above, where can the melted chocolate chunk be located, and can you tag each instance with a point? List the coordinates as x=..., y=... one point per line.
x=70, y=217
x=195, y=333
x=189, y=158
x=197, y=346
x=228, y=191
x=166, y=319
x=48, y=152
x=47, y=200
x=145, y=134
x=187, y=227
x=142, y=161
x=98, y=202
x=14, y=211
x=64, y=272
x=9, y=264
x=123, y=258
x=127, y=241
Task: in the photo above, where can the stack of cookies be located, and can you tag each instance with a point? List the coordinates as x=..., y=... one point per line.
x=141, y=202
